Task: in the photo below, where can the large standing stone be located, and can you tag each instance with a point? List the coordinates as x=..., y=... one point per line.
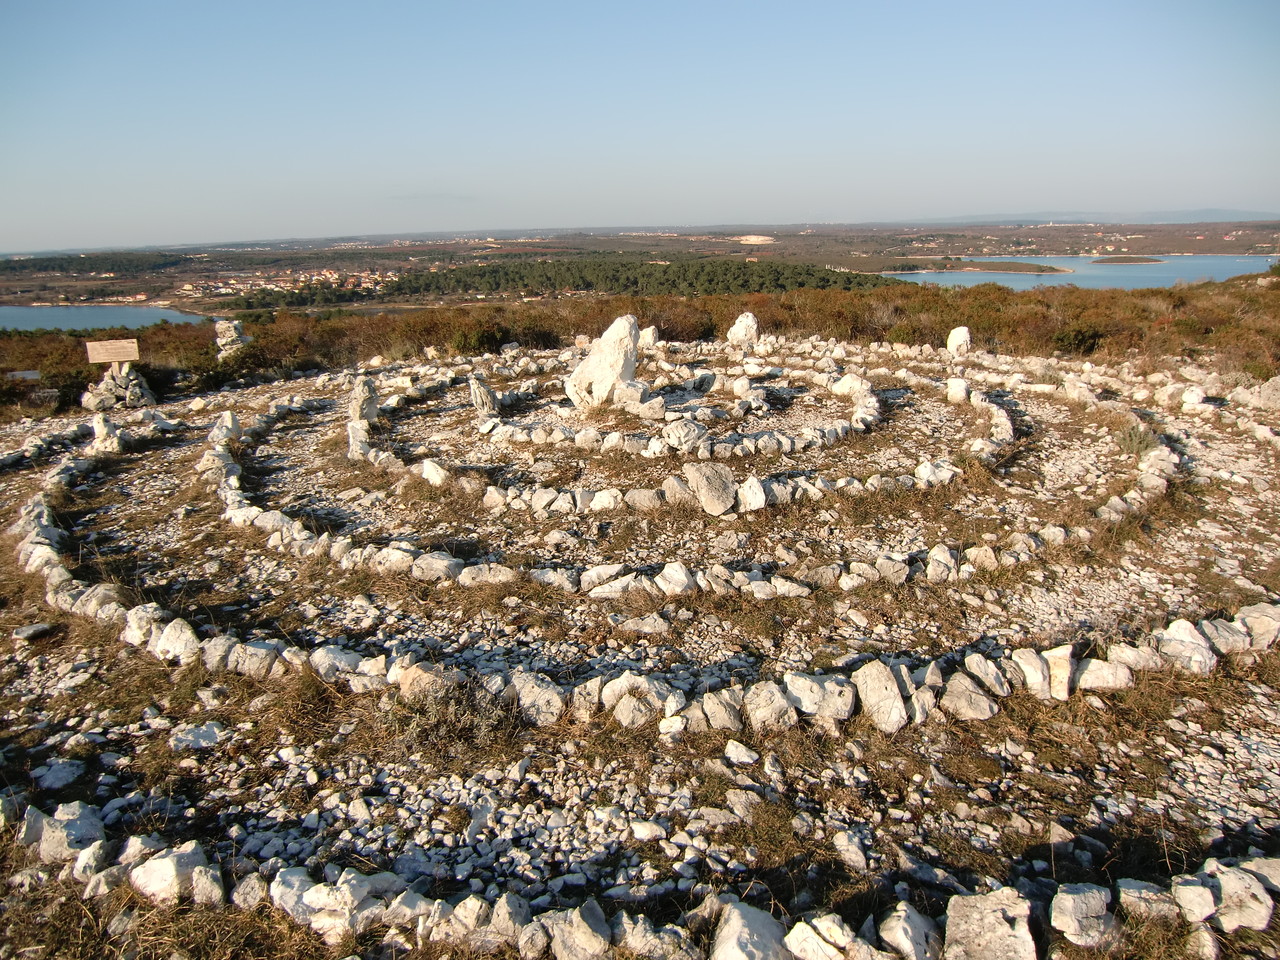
x=881, y=701
x=745, y=330
x=364, y=401
x=958, y=341
x=712, y=484
x=482, y=398
x=991, y=926
x=612, y=360
x=229, y=337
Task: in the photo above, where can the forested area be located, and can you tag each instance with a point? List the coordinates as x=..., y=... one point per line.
x=597, y=274
x=632, y=277
x=121, y=263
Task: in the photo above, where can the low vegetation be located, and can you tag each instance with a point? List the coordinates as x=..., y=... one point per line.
x=1237, y=320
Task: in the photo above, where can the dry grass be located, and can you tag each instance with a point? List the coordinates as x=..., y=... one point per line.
x=51, y=921
x=463, y=728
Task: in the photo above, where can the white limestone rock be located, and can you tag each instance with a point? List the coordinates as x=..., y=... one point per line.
x=713, y=486
x=583, y=934
x=963, y=699
x=1145, y=901
x=72, y=828
x=483, y=399
x=1061, y=663
x=913, y=935
x=805, y=943
x=1240, y=900
x=991, y=926
x=1091, y=674
x=1183, y=645
x=539, y=698
x=748, y=933
x=612, y=360
x=767, y=708
x=959, y=341
x=1079, y=912
x=1035, y=672
x=745, y=331
x=363, y=404
x=987, y=673
x=878, y=693
x=167, y=877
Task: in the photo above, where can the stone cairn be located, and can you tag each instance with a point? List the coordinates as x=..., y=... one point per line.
x=124, y=389
x=229, y=337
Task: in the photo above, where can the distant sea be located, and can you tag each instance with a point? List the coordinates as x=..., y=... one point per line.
x=88, y=318
x=1171, y=270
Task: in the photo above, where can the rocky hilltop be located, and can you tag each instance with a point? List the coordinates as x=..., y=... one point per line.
x=754, y=648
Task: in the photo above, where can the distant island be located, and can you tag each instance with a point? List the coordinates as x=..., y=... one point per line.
x=958, y=265
x=1128, y=260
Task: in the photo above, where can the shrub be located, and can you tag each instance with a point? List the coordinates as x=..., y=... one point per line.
x=1082, y=338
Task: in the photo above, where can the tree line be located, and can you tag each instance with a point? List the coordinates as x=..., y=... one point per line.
x=121, y=263
x=630, y=277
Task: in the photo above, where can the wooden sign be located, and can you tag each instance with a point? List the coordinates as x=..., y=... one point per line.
x=112, y=351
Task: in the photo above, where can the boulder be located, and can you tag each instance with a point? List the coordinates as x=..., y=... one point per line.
x=1079, y=912
x=177, y=641
x=167, y=877
x=1262, y=622
x=767, y=708
x=583, y=934
x=963, y=699
x=363, y=404
x=991, y=926
x=1240, y=900
x=805, y=943
x=987, y=673
x=538, y=696
x=911, y=933
x=878, y=693
x=959, y=341
x=1093, y=674
x=748, y=933
x=1035, y=672
x=1183, y=645
x=745, y=330
x=713, y=486
x=612, y=360
x=483, y=399
x=72, y=828
x=1146, y=901
x=1061, y=663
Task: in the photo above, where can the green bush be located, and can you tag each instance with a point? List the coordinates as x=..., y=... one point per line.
x=1082, y=338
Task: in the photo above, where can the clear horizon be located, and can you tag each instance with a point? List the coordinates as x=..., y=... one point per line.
x=146, y=124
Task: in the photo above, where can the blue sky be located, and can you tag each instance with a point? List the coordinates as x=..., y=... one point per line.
x=133, y=123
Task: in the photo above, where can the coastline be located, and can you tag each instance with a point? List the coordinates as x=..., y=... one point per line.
x=1005, y=273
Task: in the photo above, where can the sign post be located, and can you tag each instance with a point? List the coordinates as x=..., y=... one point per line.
x=113, y=352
